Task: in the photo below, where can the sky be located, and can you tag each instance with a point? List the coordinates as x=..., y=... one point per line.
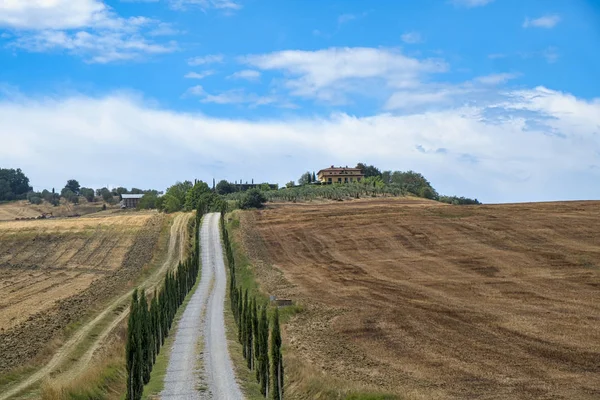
x=493, y=99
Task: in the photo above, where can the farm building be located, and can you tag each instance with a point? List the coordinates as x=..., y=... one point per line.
x=130, y=200
x=340, y=175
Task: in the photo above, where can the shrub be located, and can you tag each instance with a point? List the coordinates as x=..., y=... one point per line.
x=253, y=198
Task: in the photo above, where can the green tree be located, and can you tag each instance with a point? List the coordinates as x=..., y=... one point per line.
x=70, y=196
x=179, y=190
x=88, y=193
x=34, y=197
x=73, y=186
x=262, y=371
x=148, y=201
x=276, y=359
x=171, y=203
x=314, y=177
x=305, y=178
x=146, y=337
x=224, y=187
x=14, y=185
x=368, y=170
x=253, y=198
x=135, y=383
x=194, y=195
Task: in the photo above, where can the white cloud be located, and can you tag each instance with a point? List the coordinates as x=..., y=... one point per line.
x=412, y=37
x=248, y=74
x=495, y=79
x=226, y=5
x=470, y=3
x=87, y=28
x=538, y=145
x=209, y=59
x=328, y=74
x=495, y=56
x=547, y=21
x=53, y=14
x=236, y=96
x=199, y=75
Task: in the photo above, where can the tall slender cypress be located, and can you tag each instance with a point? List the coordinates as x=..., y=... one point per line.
x=135, y=384
x=276, y=359
x=146, y=338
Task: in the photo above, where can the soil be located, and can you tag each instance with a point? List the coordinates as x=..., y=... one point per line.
x=55, y=272
x=426, y=300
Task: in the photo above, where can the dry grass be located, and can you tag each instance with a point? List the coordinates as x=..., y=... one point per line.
x=56, y=272
x=434, y=301
x=23, y=209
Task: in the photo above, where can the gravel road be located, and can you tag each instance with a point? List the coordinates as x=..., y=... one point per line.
x=208, y=376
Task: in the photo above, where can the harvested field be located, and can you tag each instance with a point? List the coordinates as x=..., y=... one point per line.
x=23, y=209
x=56, y=271
x=427, y=301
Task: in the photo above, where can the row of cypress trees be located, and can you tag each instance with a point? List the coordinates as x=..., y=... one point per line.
x=254, y=330
x=150, y=322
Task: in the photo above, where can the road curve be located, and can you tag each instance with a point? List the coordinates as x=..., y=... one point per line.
x=203, y=316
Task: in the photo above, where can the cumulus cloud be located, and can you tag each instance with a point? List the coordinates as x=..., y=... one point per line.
x=537, y=144
x=199, y=75
x=329, y=73
x=86, y=28
x=547, y=21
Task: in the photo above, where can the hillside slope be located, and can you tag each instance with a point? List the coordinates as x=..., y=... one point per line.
x=434, y=301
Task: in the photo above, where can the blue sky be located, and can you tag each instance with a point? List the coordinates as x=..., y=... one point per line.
x=494, y=99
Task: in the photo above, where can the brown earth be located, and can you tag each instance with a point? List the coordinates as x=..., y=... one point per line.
x=427, y=301
x=54, y=272
x=24, y=209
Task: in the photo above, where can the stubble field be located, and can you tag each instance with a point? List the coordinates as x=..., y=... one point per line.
x=430, y=301
x=56, y=271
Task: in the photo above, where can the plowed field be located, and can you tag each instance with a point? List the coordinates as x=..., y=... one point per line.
x=55, y=271
x=434, y=301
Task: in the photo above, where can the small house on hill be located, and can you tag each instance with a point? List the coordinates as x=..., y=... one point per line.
x=333, y=174
x=130, y=200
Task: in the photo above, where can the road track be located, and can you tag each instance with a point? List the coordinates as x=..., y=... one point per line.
x=203, y=319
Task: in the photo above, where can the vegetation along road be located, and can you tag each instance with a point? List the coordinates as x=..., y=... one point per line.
x=203, y=316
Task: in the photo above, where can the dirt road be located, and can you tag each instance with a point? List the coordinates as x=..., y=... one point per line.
x=177, y=235
x=203, y=315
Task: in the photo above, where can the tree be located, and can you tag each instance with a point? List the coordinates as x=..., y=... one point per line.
x=253, y=198
x=290, y=184
x=194, y=194
x=146, y=337
x=305, y=179
x=276, y=359
x=262, y=371
x=119, y=191
x=415, y=183
x=368, y=170
x=88, y=193
x=106, y=194
x=135, y=383
x=170, y=203
x=179, y=191
x=34, y=197
x=73, y=186
x=14, y=185
x=70, y=196
x=314, y=177
x=148, y=201
x=224, y=187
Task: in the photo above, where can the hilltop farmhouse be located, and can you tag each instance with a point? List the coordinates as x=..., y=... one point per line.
x=333, y=174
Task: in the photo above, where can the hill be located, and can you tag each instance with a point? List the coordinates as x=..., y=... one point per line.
x=56, y=271
x=426, y=300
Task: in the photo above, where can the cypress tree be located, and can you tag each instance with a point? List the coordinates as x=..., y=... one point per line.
x=243, y=322
x=249, y=333
x=146, y=341
x=135, y=384
x=262, y=370
x=154, y=310
x=276, y=359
